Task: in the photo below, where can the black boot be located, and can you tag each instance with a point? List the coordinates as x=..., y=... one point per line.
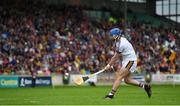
x=109, y=96
x=147, y=88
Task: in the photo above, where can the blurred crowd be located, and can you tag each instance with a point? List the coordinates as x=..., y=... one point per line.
x=157, y=48
x=57, y=39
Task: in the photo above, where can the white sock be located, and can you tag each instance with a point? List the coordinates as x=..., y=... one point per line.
x=110, y=93
x=143, y=86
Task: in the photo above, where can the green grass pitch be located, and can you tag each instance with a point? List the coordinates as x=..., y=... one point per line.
x=86, y=95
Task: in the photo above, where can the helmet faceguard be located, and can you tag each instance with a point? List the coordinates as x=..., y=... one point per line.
x=115, y=33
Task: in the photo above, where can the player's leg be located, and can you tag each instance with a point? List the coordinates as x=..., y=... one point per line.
x=129, y=80
x=120, y=74
x=146, y=87
x=134, y=82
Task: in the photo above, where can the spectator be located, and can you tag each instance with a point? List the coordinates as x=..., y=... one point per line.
x=38, y=38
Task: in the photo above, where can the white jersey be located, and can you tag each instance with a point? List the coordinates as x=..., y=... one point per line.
x=124, y=47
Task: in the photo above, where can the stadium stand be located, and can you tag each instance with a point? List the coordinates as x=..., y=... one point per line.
x=148, y=19
x=52, y=40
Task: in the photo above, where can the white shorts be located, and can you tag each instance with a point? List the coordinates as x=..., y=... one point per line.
x=130, y=65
